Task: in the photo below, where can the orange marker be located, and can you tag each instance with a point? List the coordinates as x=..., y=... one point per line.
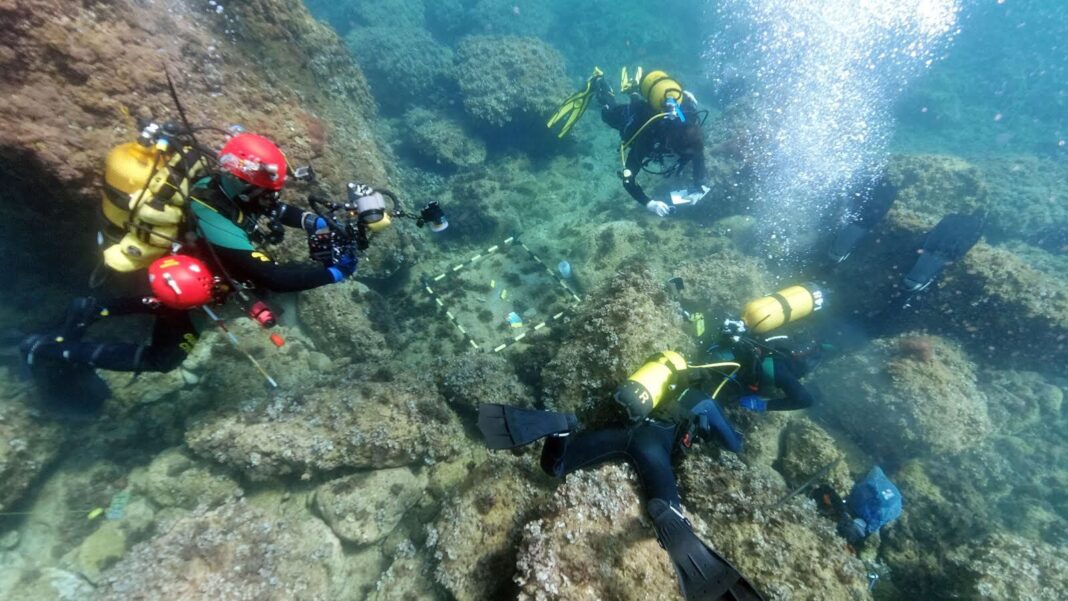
x=278, y=340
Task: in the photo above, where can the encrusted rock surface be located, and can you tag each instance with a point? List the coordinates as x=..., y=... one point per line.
x=623, y=323
x=1006, y=566
x=594, y=541
x=235, y=551
x=28, y=444
x=509, y=80
x=443, y=141
x=373, y=425
x=473, y=539
x=363, y=508
x=773, y=547
x=346, y=320
x=471, y=379
x=908, y=396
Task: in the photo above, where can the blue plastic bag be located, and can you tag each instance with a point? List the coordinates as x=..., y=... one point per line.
x=875, y=501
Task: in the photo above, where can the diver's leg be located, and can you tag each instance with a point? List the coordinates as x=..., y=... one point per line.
x=172, y=337
x=649, y=451
x=796, y=395
x=562, y=455
x=615, y=116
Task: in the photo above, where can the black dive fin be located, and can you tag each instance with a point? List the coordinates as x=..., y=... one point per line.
x=845, y=241
x=68, y=390
x=507, y=427
x=950, y=240
x=703, y=574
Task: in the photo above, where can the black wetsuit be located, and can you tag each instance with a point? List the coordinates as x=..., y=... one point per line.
x=764, y=369
x=661, y=140
x=174, y=333
x=650, y=445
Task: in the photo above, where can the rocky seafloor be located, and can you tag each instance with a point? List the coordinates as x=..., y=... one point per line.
x=362, y=476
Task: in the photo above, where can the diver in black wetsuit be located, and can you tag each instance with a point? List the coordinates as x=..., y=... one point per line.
x=649, y=139
x=224, y=210
x=770, y=372
x=660, y=124
x=669, y=419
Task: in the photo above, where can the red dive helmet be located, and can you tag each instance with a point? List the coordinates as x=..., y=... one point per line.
x=181, y=282
x=254, y=159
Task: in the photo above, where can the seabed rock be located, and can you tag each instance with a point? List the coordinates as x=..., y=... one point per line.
x=370, y=426
x=364, y=508
x=908, y=396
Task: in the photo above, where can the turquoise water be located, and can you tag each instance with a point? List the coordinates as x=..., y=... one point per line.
x=903, y=161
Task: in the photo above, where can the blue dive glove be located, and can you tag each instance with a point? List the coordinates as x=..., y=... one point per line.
x=753, y=403
x=313, y=223
x=344, y=267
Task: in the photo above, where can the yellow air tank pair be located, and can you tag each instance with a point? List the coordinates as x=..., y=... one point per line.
x=145, y=190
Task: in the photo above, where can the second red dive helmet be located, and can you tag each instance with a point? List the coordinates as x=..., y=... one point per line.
x=254, y=159
x=181, y=282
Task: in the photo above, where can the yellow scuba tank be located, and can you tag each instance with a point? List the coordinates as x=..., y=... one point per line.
x=785, y=306
x=145, y=189
x=645, y=388
x=656, y=87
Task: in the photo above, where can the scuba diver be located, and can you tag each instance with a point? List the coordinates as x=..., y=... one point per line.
x=668, y=415
x=660, y=124
x=160, y=197
x=769, y=368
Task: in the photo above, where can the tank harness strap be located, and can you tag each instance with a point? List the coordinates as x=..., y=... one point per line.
x=785, y=304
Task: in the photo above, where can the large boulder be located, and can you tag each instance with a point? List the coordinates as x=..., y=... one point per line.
x=470, y=379
x=404, y=65
x=473, y=539
x=365, y=507
x=175, y=479
x=594, y=541
x=347, y=320
x=806, y=449
x=908, y=396
x=442, y=142
x=236, y=551
x=371, y=425
x=509, y=80
x=623, y=322
x=771, y=543
x=28, y=443
x=1006, y=566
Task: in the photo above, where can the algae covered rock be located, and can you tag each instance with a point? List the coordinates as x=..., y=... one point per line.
x=1006, y=566
x=371, y=425
x=235, y=551
x=174, y=479
x=1020, y=400
x=594, y=542
x=442, y=141
x=908, y=396
x=529, y=18
x=348, y=320
x=623, y=322
x=773, y=546
x=473, y=539
x=806, y=450
x=408, y=577
x=935, y=185
x=28, y=444
x=470, y=379
x=404, y=65
x=509, y=80
x=363, y=508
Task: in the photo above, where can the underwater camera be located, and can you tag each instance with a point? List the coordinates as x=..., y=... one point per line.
x=433, y=215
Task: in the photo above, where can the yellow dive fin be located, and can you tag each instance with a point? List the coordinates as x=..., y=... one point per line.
x=626, y=83
x=575, y=105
